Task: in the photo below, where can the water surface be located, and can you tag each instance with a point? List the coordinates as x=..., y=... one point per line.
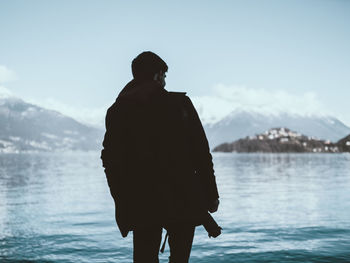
x=274, y=208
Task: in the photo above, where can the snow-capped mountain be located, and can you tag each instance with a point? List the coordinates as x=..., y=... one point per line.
x=27, y=127
x=240, y=124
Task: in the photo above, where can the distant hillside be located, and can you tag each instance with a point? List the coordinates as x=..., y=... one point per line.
x=344, y=144
x=26, y=127
x=283, y=140
x=239, y=124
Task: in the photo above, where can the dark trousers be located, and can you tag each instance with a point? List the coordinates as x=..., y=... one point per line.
x=147, y=241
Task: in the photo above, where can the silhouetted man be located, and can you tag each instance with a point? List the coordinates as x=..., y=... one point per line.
x=158, y=164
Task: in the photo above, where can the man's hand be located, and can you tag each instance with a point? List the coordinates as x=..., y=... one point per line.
x=213, y=206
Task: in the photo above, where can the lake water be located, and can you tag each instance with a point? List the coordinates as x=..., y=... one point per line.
x=274, y=208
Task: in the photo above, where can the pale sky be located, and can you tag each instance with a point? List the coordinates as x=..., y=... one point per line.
x=75, y=56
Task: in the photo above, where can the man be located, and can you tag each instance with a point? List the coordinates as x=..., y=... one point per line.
x=158, y=164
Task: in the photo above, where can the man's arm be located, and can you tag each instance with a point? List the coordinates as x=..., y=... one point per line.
x=203, y=157
x=113, y=152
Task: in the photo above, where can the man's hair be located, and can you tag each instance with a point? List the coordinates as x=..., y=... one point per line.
x=146, y=65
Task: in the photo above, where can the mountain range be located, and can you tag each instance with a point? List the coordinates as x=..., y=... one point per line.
x=28, y=127
x=239, y=124
x=25, y=127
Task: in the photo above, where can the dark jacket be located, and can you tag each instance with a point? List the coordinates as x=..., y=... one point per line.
x=156, y=158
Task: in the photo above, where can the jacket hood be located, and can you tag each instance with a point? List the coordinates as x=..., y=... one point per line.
x=141, y=91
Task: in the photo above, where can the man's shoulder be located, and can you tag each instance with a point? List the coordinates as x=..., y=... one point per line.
x=112, y=108
x=118, y=104
x=178, y=96
x=116, y=109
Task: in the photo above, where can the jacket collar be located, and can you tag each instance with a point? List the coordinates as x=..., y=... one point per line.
x=141, y=91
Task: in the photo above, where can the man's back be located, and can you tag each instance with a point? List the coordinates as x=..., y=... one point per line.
x=157, y=160
x=150, y=145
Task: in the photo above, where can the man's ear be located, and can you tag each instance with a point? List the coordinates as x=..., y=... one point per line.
x=156, y=77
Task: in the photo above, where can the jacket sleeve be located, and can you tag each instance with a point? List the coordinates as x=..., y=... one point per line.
x=114, y=153
x=202, y=155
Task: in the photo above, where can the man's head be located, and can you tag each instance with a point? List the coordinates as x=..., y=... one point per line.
x=149, y=66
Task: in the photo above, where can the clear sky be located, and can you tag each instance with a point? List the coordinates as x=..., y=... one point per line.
x=74, y=56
